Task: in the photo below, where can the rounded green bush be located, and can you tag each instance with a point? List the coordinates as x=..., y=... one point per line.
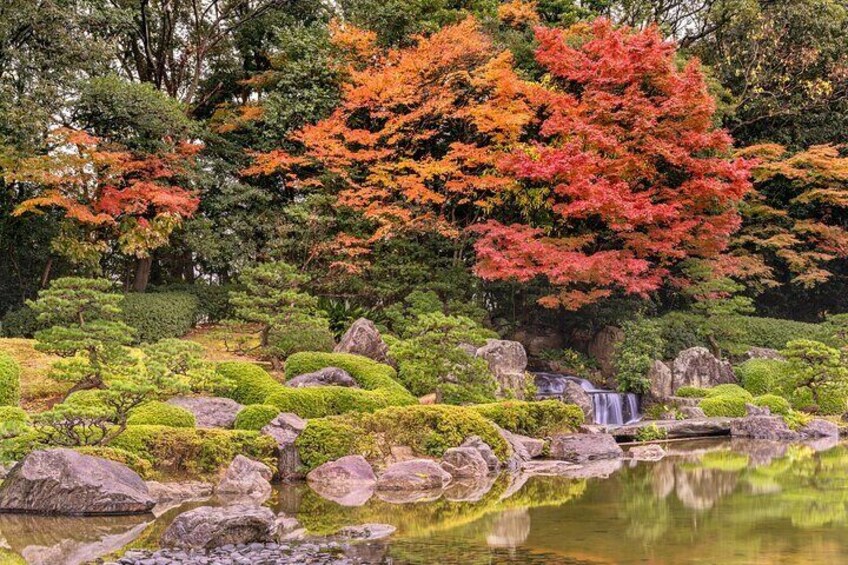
x=255, y=416
x=776, y=404
x=160, y=315
x=13, y=414
x=691, y=392
x=252, y=383
x=13, y=422
x=22, y=322
x=10, y=380
x=724, y=405
x=735, y=391
x=535, y=419
x=157, y=413
x=764, y=376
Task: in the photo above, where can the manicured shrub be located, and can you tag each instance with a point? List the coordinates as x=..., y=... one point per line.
x=427, y=430
x=733, y=390
x=160, y=315
x=642, y=344
x=10, y=380
x=255, y=416
x=763, y=376
x=138, y=464
x=535, y=419
x=195, y=452
x=776, y=404
x=22, y=322
x=157, y=413
x=297, y=338
x=724, y=405
x=213, y=299
x=691, y=392
x=13, y=422
x=368, y=373
x=252, y=383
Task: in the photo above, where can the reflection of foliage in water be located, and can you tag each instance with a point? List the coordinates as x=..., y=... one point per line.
x=322, y=516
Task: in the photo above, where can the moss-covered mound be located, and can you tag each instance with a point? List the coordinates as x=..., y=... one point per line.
x=776, y=404
x=726, y=400
x=252, y=383
x=427, y=430
x=157, y=413
x=255, y=416
x=194, y=452
x=535, y=419
x=10, y=380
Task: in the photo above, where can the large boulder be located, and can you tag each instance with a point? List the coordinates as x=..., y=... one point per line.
x=209, y=411
x=508, y=363
x=246, y=479
x=519, y=451
x=602, y=349
x=285, y=428
x=698, y=367
x=209, y=527
x=485, y=451
x=363, y=338
x=580, y=448
x=464, y=463
x=328, y=376
x=413, y=475
x=63, y=481
x=349, y=470
x=660, y=377
x=761, y=424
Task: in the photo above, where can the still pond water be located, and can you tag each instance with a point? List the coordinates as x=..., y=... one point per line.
x=710, y=502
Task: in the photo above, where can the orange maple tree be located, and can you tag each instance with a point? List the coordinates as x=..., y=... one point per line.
x=107, y=193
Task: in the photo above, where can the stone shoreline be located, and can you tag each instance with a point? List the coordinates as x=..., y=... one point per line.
x=313, y=552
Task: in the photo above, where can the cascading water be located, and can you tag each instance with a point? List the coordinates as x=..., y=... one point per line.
x=610, y=407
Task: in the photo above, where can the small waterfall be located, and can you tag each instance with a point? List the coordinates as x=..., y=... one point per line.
x=610, y=407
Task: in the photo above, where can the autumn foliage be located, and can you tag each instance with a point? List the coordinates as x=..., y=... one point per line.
x=106, y=191
x=603, y=177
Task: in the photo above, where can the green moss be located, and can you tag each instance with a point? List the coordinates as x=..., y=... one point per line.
x=194, y=452
x=161, y=414
x=138, y=464
x=691, y=392
x=764, y=376
x=427, y=430
x=255, y=416
x=535, y=419
x=10, y=380
x=776, y=404
x=253, y=384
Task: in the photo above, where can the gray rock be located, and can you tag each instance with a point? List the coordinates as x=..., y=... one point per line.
x=345, y=494
x=178, y=491
x=507, y=361
x=349, y=470
x=580, y=448
x=209, y=411
x=464, y=463
x=328, y=376
x=691, y=412
x=698, y=367
x=660, y=376
x=413, y=475
x=367, y=532
x=760, y=424
x=763, y=353
x=534, y=447
x=820, y=428
x=492, y=461
x=602, y=349
x=677, y=429
x=209, y=527
x=519, y=452
x=285, y=429
x=63, y=481
x=573, y=393
x=363, y=338
x=246, y=479
x=652, y=452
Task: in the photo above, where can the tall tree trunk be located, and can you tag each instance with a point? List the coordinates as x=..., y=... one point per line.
x=142, y=273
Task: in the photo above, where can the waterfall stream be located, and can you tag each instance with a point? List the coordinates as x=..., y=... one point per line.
x=610, y=407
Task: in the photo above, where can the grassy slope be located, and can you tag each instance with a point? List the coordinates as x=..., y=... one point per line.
x=38, y=390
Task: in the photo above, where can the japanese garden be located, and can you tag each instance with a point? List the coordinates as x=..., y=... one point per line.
x=418, y=281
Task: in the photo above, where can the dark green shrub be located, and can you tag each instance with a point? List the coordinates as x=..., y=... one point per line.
x=776, y=404
x=296, y=338
x=634, y=355
x=763, y=376
x=195, y=452
x=22, y=322
x=160, y=315
x=255, y=416
x=427, y=430
x=535, y=419
x=10, y=380
x=729, y=390
x=157, y=413
x=138, y=464
x=252, y=383
x=679, y=331
x=691, y=392
x=213, y=299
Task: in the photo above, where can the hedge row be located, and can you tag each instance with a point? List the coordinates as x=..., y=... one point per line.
x=160, y=315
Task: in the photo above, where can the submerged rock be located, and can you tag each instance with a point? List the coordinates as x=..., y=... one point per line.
x=208, y=527
x=580, y=448
x=363, y=338
x=328, y=376
x=413, y=475
x=63, y=481
x=209, y=411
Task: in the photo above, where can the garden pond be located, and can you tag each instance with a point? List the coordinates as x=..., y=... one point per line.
x=708, y=501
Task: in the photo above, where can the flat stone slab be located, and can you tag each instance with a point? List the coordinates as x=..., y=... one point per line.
x=676, y=429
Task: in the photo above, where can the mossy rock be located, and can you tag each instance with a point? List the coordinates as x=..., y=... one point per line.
x=535, y=419
x=427, y=430
x=255, y=417
x=157, y=413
